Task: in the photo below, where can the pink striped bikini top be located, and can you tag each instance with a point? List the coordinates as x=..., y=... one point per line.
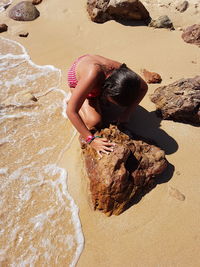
x=72, y=80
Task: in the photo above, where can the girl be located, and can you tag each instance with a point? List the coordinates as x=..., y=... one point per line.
x=92, y=77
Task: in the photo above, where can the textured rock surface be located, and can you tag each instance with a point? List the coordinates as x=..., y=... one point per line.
x=162, y=22
x=103, y=10
x=179, y=101
x=24, y=11
x=192, y=34
x=151, y=77
x=119, y=177
x=3, y=27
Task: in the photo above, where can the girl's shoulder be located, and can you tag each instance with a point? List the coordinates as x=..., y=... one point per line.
x=89, y=65
x=96, y=66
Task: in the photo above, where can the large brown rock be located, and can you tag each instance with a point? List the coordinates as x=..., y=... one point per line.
x=118, y=178
x=179, y=101
x=24, y=11
x=103, y=10
x=192, y=34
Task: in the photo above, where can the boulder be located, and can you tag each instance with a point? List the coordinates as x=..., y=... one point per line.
x=24, y=11
x=179, y=101
x=3, y=27
x=162, y=22
x=101, y=11
x=181, y=7
x=151, y=77
x=121, y=176
x=192, y=34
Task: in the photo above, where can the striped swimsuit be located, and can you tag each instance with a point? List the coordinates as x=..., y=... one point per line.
x=72, y=80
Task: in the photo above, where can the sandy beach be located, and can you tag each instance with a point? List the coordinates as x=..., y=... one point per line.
x=161, y=229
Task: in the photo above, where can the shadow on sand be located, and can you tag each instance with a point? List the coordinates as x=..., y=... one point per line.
x=134, y=22
x=145, y=124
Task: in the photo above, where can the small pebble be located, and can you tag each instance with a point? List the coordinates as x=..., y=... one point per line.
x=181, y=7
x=3, y=27
x=180, y=29
x=23, y=34
x=33, y=98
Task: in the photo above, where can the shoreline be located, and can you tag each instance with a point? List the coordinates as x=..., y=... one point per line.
x=160, y=230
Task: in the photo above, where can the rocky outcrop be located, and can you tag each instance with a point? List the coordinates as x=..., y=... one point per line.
x=3, y=27
x=192, y=34
x=24, y=11
x=101, y=11
x=118, y=178
x=151, y=77
x=162, y=22
x=179, y=101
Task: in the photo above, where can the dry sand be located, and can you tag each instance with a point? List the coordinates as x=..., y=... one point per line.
x=162, y=229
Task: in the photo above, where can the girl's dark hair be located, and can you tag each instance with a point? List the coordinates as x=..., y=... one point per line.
x=122, y=86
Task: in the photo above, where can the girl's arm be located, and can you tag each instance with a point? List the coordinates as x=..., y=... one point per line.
x=85, y=85
x=79, y=94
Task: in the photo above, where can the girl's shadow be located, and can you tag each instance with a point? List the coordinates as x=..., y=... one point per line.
x=143, y=123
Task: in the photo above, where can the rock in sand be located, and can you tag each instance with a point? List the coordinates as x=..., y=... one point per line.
x=151, y=77
x=102, y=11
x=3, y=27
x=181, y=7
x=162, y=22
x=119, y=177
x=179, y=101
x=191, y=34
x=24, y=11
x=23, y=34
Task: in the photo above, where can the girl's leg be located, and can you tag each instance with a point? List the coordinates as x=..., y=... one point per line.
x=90, y=113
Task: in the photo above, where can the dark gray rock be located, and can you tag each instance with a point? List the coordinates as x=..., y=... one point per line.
x=179, y=101
x=162, y=22
x=24, y=11
x=192, y=34
x=181, y=7
x=101, y=11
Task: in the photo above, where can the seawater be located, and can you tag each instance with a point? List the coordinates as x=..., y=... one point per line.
x=39, y=223
x=4, y=4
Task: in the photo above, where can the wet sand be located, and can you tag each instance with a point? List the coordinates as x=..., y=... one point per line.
x=162, y=229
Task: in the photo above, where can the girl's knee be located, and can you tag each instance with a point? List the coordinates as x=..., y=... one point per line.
x=93, y=121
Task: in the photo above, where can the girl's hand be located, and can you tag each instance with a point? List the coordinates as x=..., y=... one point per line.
x=101, y=145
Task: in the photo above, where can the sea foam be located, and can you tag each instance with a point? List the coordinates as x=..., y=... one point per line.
x=39, y=219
